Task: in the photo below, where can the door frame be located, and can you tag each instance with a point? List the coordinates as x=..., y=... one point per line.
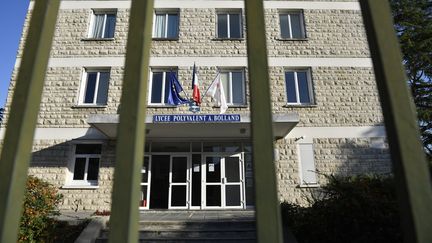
x=187, y=183
x=148, y=183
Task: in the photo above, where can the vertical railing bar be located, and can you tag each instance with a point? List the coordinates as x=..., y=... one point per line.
x=21, y=125
x=409, y=164
x=266, y=199
x=131, y=130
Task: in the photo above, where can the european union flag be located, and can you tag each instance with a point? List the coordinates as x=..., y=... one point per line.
x=175, y=88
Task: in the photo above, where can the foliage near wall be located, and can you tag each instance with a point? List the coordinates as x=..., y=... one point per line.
x=349, y=209
x=40, y=205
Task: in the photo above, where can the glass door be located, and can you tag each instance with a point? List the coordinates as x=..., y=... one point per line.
x=145, y=183
x=223, y=182
x=178, y=182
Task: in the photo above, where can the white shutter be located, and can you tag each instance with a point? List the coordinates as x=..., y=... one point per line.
x=307, y=164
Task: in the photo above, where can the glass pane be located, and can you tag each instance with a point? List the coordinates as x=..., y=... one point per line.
x=296, y=26
x=232, y=169
x=235, y=30
x=159, y=31
x=145, y=170
x=179, y=169
x=172, y=26
x=224, y=79
x=222, y=26
x=98, y=25
x=303, y=87
x=93, y=169
x=79, y=168
x=213, y=168
x=88, y=149
x=167, y=88
x=232, y=195
x=221, y=147
x=170, y=147
x=110, y=26
x=213, y=195
x=290, y=87
x=237, y=88
x=90, y=88
x=196, y=180
x=196, y=147
x=156, y=92
x=102, y=94
x=143, y=197
x=250, y=192
x=178, y=196
x=284, y=26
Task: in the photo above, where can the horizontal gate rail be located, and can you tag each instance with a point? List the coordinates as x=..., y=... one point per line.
x=15, y=156
x=413, y=181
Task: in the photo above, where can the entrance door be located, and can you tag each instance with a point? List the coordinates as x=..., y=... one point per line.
x=145, y=183
x=223, y=182
x=179, y=182
x=159, y=183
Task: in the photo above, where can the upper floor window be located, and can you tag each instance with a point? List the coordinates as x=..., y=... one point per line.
x=166, y=25
x=298, y=87
x=94, y=87
x=291, y=25
x=234, y=87
x=159, y=87
x=229, y=25
x=85, y=166
x=102, y=24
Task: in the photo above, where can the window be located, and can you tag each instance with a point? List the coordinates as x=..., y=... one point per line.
x=298, y=87
x=229, y=25
x=86, y=164
x=307, y=164
x=166, y=25
x=94, y=88
x=159, y=87
x=102, y=25
x=233, y=84
x=291, y=25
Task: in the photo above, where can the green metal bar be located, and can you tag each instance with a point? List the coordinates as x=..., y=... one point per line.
x=409, y=163
x=14, y=160
x=131, y=130
x=266, y=199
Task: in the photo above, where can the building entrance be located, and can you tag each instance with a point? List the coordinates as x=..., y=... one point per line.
x=192, y=180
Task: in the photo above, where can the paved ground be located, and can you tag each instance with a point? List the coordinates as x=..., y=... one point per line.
x=213, y=215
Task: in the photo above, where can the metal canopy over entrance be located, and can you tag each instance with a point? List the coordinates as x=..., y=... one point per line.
x=282, y=125
x=197, y=175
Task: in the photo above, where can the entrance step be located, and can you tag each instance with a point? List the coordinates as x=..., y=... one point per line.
x=194, y=231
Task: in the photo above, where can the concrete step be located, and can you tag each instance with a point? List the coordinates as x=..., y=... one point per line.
x=198, y=225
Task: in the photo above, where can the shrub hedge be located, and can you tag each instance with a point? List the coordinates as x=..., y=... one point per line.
x=350, y=209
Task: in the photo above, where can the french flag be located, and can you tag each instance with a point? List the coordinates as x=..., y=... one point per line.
x=196, y=96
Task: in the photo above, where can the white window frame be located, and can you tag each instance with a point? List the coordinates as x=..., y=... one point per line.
x=83, y=86
x=309, y=82
x=166, y=12
x=83, y=183
x=228, y=13
x=301, y=164
x=302, y=24
x=164, y=77
x=104, y=12
x=230, y=71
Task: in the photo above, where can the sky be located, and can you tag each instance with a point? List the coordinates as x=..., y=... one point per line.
x=12, y=15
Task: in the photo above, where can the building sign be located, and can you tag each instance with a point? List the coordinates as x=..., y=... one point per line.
x=196, y=118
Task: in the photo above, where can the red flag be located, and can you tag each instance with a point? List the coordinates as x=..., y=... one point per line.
x=196, y=96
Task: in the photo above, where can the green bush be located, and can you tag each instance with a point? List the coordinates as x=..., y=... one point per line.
x=40, y=205
x=350, y=209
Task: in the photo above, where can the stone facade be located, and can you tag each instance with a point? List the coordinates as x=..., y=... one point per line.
x=344, y=96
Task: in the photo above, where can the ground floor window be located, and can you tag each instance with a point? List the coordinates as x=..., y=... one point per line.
x=85, y=166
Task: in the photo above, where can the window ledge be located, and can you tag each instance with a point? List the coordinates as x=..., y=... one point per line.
x=88, y=106
x=79, y=187
x=315, y=185
x=291, y=39
x=300, y=106
x=234, y=106
x=165, y=39
x=161, y=106
x=98, y=39
x=228, y=39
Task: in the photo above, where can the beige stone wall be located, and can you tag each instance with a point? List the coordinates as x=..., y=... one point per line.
x=336, y=156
